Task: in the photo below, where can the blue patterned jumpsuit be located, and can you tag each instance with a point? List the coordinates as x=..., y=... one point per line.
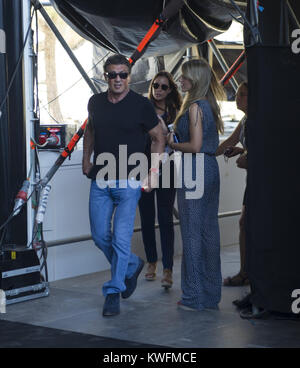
x=201, y=278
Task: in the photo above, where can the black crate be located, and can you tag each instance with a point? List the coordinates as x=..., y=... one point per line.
x=19, y=267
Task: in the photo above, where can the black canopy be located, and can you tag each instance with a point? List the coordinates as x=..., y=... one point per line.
x=120, y=25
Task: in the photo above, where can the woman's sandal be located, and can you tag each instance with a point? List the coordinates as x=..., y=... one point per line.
x=237, y=280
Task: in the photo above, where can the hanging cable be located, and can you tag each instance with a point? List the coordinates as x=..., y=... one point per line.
x=253, y=29
x=15, y=210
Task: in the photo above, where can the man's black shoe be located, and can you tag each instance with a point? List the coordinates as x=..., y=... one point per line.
x=254, y=312
x=111, y=305
x=244, y=302
x=132, y=282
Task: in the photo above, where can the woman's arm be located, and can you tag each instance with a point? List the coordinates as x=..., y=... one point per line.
x=195, y=128
x=163, y=125
x=231, y=141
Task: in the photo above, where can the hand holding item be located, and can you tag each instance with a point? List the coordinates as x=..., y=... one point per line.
x=242, y=161
x=145, y=185
x=170, y=139
x=233, y=151
x=151, y=181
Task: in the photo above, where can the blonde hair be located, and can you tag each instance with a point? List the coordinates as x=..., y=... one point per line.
x=204, y=85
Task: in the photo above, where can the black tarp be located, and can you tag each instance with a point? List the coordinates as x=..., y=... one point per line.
x=120, y=25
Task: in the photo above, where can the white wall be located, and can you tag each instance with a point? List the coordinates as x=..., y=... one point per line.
x=67, y=216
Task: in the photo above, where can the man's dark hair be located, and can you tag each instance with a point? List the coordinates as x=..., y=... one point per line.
x=117, y=59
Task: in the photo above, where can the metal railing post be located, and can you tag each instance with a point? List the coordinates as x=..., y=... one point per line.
x=78, y=239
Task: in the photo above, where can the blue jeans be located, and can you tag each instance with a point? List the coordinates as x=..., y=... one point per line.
x=115, y=245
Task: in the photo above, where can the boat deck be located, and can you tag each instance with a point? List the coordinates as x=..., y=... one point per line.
x=150, y=315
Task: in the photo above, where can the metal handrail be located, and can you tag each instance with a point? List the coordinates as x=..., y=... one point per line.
x=79, y=239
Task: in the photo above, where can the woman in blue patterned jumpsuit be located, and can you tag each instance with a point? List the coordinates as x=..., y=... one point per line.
x=197, y=126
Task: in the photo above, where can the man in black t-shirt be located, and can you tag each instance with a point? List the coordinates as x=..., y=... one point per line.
x=119, y=120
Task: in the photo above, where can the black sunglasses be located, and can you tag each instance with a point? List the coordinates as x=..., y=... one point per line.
x=113, y=75
x=164, y=87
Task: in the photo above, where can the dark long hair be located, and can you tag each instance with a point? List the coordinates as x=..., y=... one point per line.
x=173, y=100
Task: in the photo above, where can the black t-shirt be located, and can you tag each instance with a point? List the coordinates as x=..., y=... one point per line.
x=123, y=123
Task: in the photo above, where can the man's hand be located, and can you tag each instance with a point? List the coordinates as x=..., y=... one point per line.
x=86, y=167
x=88, y=147
x=157, y=146
x=150, y=182
x=242, y=161
x=233, y=151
